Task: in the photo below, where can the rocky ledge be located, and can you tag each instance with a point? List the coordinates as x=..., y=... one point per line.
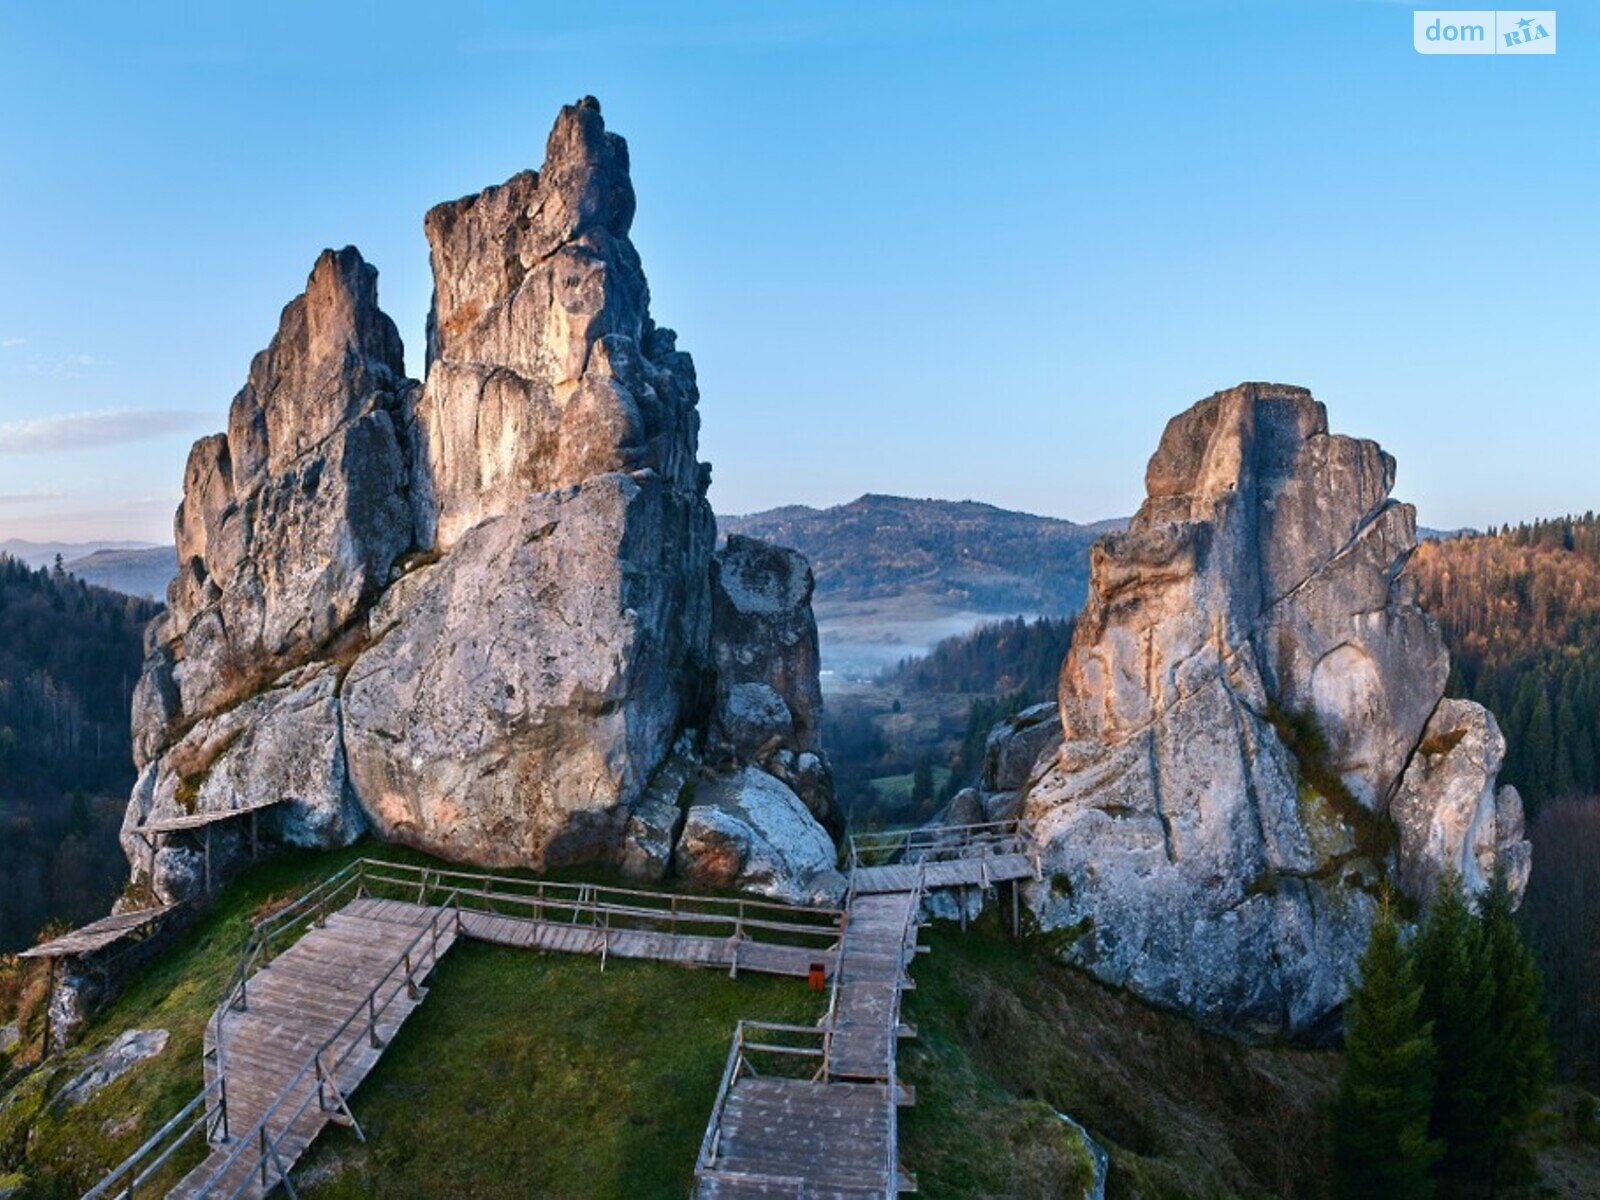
x=483, y=614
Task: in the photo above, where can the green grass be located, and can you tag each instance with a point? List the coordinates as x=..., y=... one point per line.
x=523, y=1074
x=528, y=1074
x=1006, y=1038
x=898, y=787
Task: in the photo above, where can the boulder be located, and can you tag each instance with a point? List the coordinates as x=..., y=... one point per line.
x=748, y=830
x=517, y=696
x=1449, y=813
x=106, y=1066
x=1243, y=692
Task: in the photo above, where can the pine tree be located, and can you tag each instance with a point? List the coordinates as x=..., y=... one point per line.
x=1380, y=1121
x=1520, y=1055
x=1452, y=965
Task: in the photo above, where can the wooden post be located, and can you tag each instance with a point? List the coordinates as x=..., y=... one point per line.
x=49, y=995
x=255, y=848
x=1016, y=915
x=208, y=858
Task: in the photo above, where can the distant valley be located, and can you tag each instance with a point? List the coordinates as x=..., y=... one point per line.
x=897, y=575
x=132, y=568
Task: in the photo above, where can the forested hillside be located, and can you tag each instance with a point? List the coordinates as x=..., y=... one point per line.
x=1016, y=655
x=986, y=558
x=906, y=742
x=69, y=656
x=1521, y=612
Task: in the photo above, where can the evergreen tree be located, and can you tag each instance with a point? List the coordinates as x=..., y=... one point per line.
x=1452, y=964
x=1520, y=1056
x=1380, y=1121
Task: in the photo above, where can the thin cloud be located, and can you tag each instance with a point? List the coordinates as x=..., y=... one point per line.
x=13, y=499
x=85, y=430
x=12, y=343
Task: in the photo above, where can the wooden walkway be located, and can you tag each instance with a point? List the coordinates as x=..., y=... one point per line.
x=298, y=1033
x=803, y=1111
x=690, y=950
x=834, y=1133
x=961, y=872
x=366, y=960
x=817, y=1139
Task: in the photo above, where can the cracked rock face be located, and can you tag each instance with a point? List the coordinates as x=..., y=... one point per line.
x=1259, y=588
x=474, y=614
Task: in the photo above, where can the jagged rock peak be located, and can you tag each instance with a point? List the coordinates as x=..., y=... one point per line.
x=544, y=366
x=334, y=350
x=1244, y=698
x=476, y=614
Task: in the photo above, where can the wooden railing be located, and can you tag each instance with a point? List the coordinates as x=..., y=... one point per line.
x=201, y=1115
x=611, y=909
x=761, y=1049
x=262, y=1140
x=943, y=843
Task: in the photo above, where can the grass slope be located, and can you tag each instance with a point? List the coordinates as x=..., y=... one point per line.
x=1005, y=1036
x=539, y=1075
x=522, y=1075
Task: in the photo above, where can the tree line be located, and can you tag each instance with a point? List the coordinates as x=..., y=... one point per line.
x=69, y=657
x=1446, y=1057
x=1520, y=609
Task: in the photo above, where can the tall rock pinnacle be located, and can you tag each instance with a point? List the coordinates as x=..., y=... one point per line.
x=1252, y=734
x=476, y=614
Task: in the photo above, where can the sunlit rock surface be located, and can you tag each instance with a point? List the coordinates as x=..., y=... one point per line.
x=1192, y=856
x=475, y=614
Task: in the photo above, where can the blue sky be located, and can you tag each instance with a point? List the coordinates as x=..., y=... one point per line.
x=965, y=250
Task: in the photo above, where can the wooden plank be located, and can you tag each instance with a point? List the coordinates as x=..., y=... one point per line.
x=97, y=934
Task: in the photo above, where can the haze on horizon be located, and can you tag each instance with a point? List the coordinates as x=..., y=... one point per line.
x=952, y=250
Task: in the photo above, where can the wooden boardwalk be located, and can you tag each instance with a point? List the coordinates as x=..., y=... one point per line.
x=299, y=1032
x=960, y=872
x=803, y=1111
x=832, y=1133
x=298, y=1011
x=795, y=1137
x=690, y=950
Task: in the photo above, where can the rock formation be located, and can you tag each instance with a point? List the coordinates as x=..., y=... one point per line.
x=1252, y=733
x=484, y=614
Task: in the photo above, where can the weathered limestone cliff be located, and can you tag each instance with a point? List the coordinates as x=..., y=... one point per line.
x=484, y=614
x=1252, y=734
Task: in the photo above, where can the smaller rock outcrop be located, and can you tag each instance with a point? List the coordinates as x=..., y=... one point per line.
x=1012, y=754
x=768, y=702
x=1448, y=810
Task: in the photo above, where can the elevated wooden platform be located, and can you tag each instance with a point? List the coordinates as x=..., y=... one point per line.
x=731, y=953
x=796, y=1137
x=834, y=1134
x=961, y=872
x=97, y=935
